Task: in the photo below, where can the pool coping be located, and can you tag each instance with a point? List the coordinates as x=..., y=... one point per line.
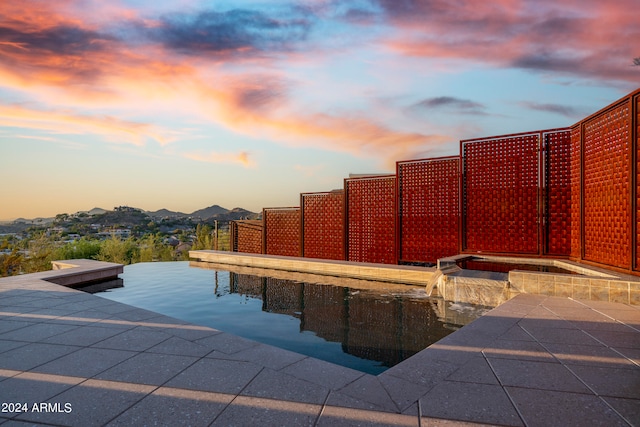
x=531, y=353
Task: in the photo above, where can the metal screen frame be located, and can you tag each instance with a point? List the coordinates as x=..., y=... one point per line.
x=281, y=232
x=322, y=222
x=428, y=193
x=370, y=222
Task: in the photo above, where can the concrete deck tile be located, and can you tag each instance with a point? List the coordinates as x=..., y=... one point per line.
x=37, y=332
x=10, y=345
x=251, y=411
x=277, y=385
x=470, y=402
x=83, y=335
x=180, y=347
x=268, y=356
x=135, y=315
x=147, y=368
x=345, y=401
x=175, y=407
x=402, y=392
x=629, y=409
x=137, y=339
x=546, y=408
x=590, y=355
x=618, y=339
x=612, y=382
x=216, y=375
x=322, y=373
x=425, y=371
x=29, y=356
x=370, y=389
x=12, y=324
x=343, y=417
x=190, y=332
x=30, y=388
x=477, y=370
x=82, y=317
x=632, y=354
x=538, y=375
x=93, y=403
x=516, y=333
x=561, y=335
x=226, y=343
x=521, y=350
x=85, y=362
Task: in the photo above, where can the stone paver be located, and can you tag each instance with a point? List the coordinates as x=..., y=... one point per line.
x=534, y=360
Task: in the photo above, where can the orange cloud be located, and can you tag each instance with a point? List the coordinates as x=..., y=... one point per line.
x=60, y=122
x=242, y=158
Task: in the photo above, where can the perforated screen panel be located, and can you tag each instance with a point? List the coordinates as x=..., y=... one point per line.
x=428, y=208
x=249, y=236
x=370, y=204
x=576, y=240
x=500, y=194
x=323, y=225
x=606, y=172
x=282, y=231
x=558, y=192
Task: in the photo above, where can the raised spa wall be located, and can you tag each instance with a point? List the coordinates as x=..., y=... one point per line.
x=479, y=287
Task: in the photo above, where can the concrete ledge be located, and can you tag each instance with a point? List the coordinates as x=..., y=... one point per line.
x=74, y=272
x=379, y=272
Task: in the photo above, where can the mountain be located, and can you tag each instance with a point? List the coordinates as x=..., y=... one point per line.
x=164, y=213
x=210, y=212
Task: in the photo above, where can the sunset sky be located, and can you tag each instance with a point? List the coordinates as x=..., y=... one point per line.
x=188, y=103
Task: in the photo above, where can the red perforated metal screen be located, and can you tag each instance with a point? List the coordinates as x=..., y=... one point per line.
x=576, y=240
x=637, y=142
x=606, y=192
x=371, y=213
x=246, y=236
x=557, y=148
x=500, y=194
x=428, y=208
x=323, y=225
x=281, y=231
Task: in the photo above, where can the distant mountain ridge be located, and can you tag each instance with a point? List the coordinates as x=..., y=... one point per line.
x=214, y=212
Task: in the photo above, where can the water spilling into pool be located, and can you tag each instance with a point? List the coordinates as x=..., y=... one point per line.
x=369, y=329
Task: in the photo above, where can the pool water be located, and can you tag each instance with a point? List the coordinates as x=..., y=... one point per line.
x=505, y=267
x=367, y=330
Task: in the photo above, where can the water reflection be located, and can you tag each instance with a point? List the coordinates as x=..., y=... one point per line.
x=377, y=326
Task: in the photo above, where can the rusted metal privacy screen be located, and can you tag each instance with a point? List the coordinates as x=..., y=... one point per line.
x=557, y=215
x=323, y=225
x=637, y=195
x=428, y=208
x=606, y=187
x=500, y=194
x=281, y=231
x=246, y=236
x=370, y=204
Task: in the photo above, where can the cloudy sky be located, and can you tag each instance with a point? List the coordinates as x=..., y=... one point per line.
x=187, y=103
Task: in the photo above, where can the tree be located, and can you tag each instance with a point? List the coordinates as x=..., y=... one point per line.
x=82, y=249
x=10, y=264
x=204, y=238
x=119, y=251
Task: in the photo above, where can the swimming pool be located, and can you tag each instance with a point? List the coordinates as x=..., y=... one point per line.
x=366, y=329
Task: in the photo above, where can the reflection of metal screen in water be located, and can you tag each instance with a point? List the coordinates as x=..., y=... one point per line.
x=607, y=190
x=281, y=231
x=323, y=225
x=428, y=208
x=500, y=194
x=371, y=211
